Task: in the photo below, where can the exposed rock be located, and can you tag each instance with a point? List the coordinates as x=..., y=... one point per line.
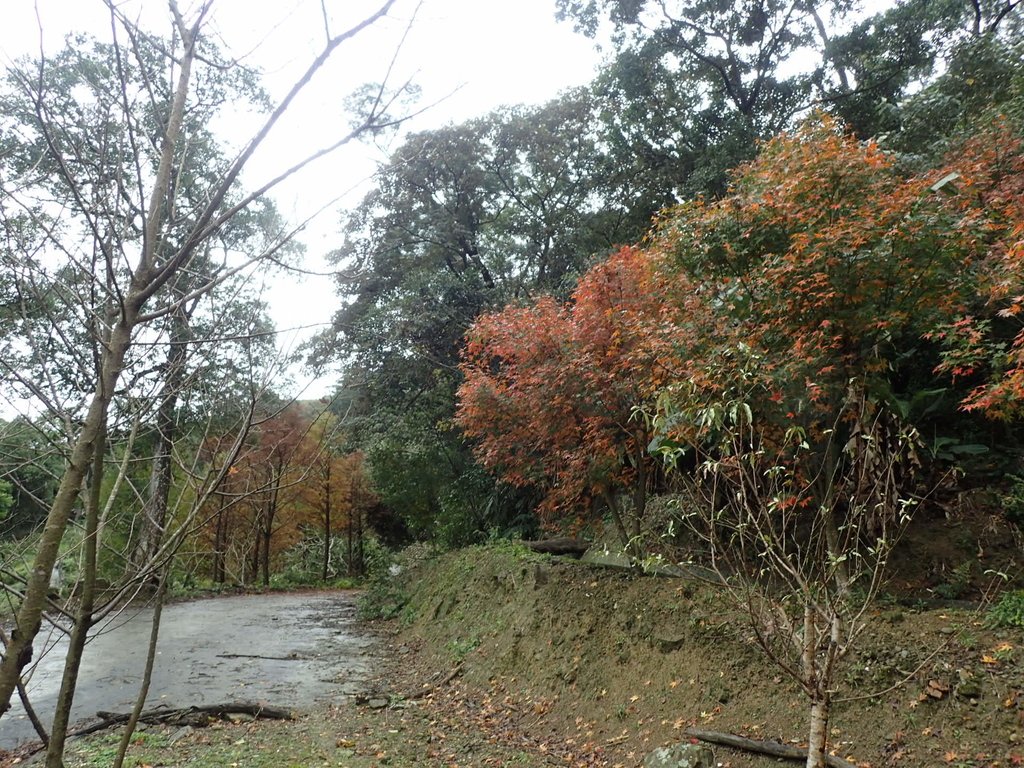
x=969, y=686
x=607, y=559
x=681, y=756
x=669, y=642
x=936, y=689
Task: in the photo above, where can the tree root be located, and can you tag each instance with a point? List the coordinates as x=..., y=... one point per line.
x=772, y=748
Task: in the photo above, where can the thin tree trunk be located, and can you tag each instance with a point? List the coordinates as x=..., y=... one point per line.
x=29, y=617
x=154, y=510
x=147, y=675
x=327, y=521
x=268, y=516
x=252, y=568
x=83, y=616
x=817, y=739
x=265, y=565
x=639, y=498
x=350, y=536
x=360, y=553
x=220, y=542
x=620, y=528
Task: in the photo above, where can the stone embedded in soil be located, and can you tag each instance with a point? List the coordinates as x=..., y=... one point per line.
x=680, y=756
x=969, y=686
x=669, y=643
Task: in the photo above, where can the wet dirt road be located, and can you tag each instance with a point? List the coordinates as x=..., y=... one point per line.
x=292, y=650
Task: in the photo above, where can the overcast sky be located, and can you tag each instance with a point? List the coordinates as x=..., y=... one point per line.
x=473, y=55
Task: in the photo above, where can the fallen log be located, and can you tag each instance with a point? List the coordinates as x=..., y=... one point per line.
x=197, y=716
x=771, y=748
x=562, y=546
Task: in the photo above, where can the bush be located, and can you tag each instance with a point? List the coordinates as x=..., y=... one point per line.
x=1009, y=611
x=1013, y=502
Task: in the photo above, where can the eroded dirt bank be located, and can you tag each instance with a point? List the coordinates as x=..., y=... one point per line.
x=609, y=665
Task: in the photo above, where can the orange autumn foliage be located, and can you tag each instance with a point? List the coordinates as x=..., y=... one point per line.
x=550, y=391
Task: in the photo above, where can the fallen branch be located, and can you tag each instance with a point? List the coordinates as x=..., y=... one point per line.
x=772, y=748
x=563, y=546
x=197, y=716
x=289, y=657
x=426, y=691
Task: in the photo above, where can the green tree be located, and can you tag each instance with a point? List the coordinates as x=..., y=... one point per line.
x=463, y=219
x=696, y=83
x=6, y=499
x=31, y=461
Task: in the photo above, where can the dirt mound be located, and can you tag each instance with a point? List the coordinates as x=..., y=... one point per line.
x=615, y=664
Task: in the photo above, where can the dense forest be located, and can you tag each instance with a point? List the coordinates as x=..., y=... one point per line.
x=751, y=297
x=852, y=223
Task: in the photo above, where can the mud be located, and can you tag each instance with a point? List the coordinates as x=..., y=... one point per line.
x=292, y=650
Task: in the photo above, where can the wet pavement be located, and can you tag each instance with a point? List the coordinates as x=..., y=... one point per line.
x=289, y=650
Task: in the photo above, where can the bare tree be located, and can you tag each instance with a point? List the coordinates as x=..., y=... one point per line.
x=108, y=208
x=798, y=530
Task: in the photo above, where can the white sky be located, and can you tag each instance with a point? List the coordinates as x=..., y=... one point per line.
x=484, y=53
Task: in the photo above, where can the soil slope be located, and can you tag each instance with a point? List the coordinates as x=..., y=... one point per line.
x=603, y=666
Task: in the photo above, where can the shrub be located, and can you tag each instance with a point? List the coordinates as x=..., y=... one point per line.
x=1009, y=611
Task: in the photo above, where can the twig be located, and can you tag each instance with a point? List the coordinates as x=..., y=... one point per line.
x=426, y=691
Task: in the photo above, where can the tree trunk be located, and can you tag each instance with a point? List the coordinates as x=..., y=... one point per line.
x=269, y=513
x=327, y=523
x=817, y=739
x=620, y=528
x=350, y=549
x=265, y=560
x=639, y=497
x=29, y=616
x=220, y=541
x=360, y=554
x=83, y=615
x=252, y=567
x=154, y=510
x=145, y=281
x=147, y=675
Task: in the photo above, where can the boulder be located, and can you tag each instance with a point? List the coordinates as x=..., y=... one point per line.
x=681, y=756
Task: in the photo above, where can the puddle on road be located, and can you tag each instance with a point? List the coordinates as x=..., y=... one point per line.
x=288, y=650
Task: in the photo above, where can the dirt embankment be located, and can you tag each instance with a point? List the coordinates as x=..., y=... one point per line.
x=601, y=667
